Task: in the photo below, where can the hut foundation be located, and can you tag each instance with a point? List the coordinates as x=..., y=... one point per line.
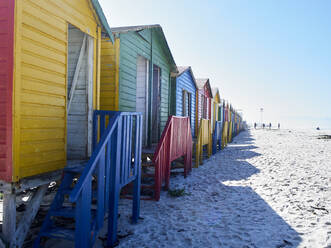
x=15, y=226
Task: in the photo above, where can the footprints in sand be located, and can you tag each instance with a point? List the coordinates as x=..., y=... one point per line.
x=270, y=192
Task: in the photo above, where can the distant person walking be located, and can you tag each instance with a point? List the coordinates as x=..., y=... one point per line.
x=270, y=125
x=254, y=125
x=278, y=125
x=263, y=125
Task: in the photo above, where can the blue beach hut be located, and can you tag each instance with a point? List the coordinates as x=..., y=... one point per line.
x=183, y=94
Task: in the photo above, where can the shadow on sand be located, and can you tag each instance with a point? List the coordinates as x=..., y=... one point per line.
x=250, y=221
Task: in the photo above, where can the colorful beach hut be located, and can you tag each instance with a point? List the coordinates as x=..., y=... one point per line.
x=50, y=54
x=135, y=76
x=48, y=110
x=203, y=101
x=183, y=95
x=215, y=106
x=226, y=117
x=216, y=123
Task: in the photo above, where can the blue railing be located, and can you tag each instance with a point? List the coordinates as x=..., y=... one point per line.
x=217, y=136
x=115, y=162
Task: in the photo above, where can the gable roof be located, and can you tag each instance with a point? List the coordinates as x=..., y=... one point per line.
x=215, y=91
x=157, y=27
x=182, y=69
x=201, y=83
x=102, y=18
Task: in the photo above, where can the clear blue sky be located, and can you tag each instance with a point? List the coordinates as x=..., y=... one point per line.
x=259, y=53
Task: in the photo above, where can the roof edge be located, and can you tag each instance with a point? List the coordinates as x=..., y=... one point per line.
x=124, y=29
x=189, y=68
x=158, y=28
x=102, y=19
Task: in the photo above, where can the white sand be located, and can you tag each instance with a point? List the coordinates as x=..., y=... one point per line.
x=267, y=189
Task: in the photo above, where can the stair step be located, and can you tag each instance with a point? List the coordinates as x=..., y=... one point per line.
x=147, y=186
x=177, y=165
x=148, y=175
x=59, y=233
x=68, y=192
x=74, y=169
x=147, y=164
x=68, y=212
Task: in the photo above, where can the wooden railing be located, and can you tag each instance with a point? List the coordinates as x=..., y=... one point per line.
x=115, y=161
x=175, y=142
x=204, y=138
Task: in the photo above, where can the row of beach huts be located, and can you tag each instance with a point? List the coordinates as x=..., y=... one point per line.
x=104, y=112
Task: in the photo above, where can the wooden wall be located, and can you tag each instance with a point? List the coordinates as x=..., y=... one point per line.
x=149, y=46
x=6, y=84
x=41, y=80
x=186, y=82
x=110, y=54
x=132, y=45
x=199, y=108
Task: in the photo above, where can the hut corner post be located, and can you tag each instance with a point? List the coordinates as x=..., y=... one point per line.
x=9, y=216
x=13, y=234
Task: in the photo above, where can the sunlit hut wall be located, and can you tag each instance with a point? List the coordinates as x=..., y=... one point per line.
x=230, y=123
x=46, y=37
x=225, y=124
x=215, y=106
x=135, y=76
x=203, y=101
x=221, y=111
x=183, y=94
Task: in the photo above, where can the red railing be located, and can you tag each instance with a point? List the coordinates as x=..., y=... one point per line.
x=175, y=142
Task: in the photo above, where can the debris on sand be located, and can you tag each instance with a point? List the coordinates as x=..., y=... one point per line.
x=325, y=137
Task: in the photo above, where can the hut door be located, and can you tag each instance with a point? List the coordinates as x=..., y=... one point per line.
x=142, y=93
x=156, y=98
x=204, y=111
x=79, y=90
x=186, y=103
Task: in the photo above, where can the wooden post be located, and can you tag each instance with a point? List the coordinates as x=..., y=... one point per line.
x=114, y=183
x=9, y=216
x=29, y=215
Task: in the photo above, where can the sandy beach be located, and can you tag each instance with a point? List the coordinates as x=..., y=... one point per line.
x=269, y=188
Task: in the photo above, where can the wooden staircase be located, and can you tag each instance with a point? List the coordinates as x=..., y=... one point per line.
x=88, y=193
x=173, y=152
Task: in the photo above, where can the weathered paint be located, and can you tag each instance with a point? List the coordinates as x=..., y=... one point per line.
x=185, y=81
x=80, y=94
x=148, y=43
x=7, y=9
x=40, y=81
